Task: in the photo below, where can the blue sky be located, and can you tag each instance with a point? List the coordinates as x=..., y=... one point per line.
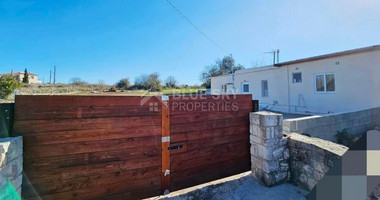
x=109, y=40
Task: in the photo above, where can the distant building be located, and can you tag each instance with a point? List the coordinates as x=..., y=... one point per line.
x=33, y=78
x=337, y=82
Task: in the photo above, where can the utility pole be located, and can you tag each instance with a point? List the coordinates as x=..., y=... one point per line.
x=50, y=78
x=55, y=70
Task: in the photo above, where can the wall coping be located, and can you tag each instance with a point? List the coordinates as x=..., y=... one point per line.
x=327, y=115
x=323, y=144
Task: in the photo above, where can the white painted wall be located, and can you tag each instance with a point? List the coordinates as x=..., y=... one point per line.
x=357, y=84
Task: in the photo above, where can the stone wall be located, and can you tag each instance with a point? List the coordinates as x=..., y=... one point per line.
x=269, y=154
x=10, y=167
x=326, y=127
x=310, y=158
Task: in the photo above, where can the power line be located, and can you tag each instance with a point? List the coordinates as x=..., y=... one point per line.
x=196, y=28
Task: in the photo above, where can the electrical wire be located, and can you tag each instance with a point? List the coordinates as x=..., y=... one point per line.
x=196, y=28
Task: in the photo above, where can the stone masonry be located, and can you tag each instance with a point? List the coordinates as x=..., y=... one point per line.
x=269, y=153
x=311, y=158
x=11, y=160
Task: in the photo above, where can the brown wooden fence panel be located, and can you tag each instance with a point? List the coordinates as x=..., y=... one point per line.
x=209, y=136
x=89, y=147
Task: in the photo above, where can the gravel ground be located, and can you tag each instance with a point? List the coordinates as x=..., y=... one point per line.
x=241, y=186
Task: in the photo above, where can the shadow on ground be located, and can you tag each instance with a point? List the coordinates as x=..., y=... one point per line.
x=241, y=186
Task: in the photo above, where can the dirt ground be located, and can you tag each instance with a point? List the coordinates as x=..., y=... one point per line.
x=238, y=187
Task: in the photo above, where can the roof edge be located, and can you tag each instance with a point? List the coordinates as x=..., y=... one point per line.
x=331, y=55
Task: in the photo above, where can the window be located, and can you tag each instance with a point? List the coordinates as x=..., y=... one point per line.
x=264, y=88
x=324, y=83
x=245, y=88
x=330, y=82
x=224, y=88
x=297, y=77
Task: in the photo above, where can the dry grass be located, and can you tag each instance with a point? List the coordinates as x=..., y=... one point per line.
x=88, y=89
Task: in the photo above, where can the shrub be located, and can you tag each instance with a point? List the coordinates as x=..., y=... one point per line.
x=123, y=84
x=343, y=137
x=8, y=83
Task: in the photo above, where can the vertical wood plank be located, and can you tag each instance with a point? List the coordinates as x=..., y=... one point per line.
x=165, y=177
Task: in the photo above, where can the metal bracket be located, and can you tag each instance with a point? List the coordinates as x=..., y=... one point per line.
x=165, y=139
x=167, y=172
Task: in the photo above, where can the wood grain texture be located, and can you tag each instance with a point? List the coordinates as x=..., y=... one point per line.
x=89, y=147
x=216, y=140
x=110, y=147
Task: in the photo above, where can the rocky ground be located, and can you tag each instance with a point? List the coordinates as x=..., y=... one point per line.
x=238, y=187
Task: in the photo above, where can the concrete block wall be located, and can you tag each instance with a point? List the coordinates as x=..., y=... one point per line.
x=269, y=154
x=11, y=161
x=326, y=127
x=310, y=158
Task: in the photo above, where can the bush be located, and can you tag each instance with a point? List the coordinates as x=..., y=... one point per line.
x=123, y=84
x=343, y=137
x=8, y=84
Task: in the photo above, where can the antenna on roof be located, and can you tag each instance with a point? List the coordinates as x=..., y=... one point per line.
x=278, y=55
x=274, y=52
x=274, y=55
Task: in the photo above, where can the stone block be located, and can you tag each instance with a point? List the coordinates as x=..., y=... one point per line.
x=11, y=171
x=281, y=177
x=271, y=166
x=266, y=118
x=264, y=152
x=10, y=149
x=254, y=150
x=278, y=153
x=254, y=118
x=284, y=166
x=255, y=140
x=286, y=154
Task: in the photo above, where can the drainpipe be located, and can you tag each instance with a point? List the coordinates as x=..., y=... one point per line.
x=287, y=69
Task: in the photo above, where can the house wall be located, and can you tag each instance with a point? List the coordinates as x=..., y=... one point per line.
x=357, y=85
x=32, y=78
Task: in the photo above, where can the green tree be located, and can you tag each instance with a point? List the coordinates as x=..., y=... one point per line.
x=26, y=77
x=225, y=66
x=149, y=82
x=8, y=84
x=123, y=84
x=170, y=82
x=154, y=82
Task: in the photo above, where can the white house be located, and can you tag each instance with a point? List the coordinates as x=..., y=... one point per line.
x=332, y=83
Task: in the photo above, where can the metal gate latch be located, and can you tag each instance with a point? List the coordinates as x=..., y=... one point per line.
x=175, y=147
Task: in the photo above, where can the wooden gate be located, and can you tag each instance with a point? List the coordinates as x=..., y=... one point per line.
x=209, y=138
x=122, y=147
x=89, y=147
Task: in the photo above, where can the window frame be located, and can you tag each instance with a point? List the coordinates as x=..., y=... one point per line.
x=324, y=84
x=293, y=77
x=242, y=88
x=262, y=88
